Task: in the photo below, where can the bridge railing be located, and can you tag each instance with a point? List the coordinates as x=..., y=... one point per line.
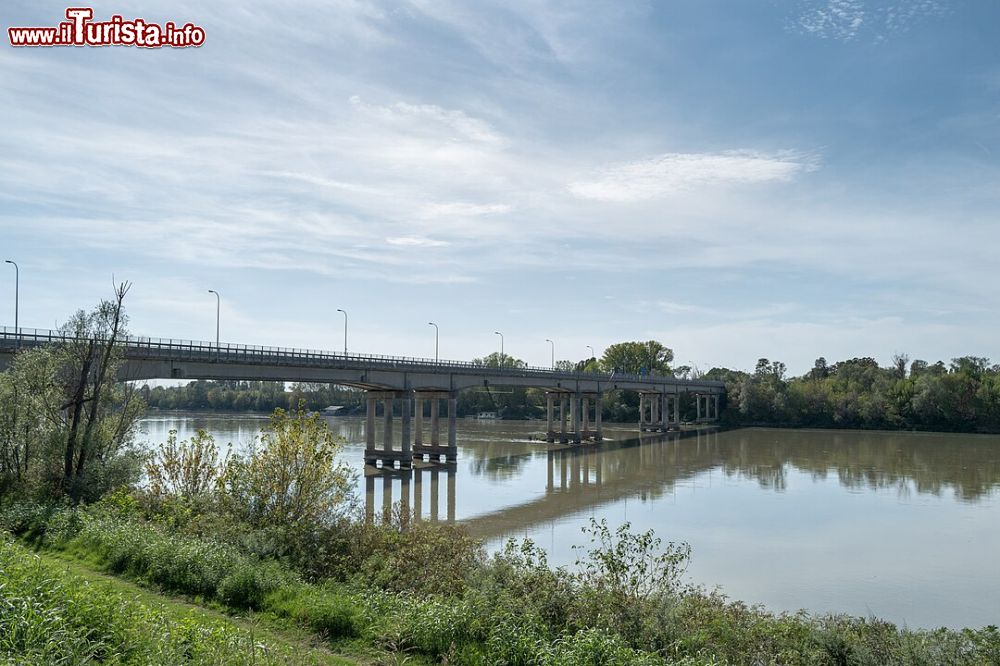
x=195, y=350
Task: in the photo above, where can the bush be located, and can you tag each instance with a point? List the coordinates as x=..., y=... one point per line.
x=326, y=610
x=48, y=616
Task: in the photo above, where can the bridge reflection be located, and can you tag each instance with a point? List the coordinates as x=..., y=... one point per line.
x=576, y=475
x=405, y=487
x=578, y=479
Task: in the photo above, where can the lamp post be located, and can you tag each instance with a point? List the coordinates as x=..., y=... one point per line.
x=17, y=289
x=345, y=329
x=218, y=310
x=501, y=348
x=591, y=351
x=436, y=334
x=553, y=345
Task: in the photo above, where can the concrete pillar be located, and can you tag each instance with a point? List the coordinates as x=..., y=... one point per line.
x=642, y=410
x=654, y=410
x=387, y=424
x=585, y=407
x=562, y=417
x=697, y=400
x=370, y=425
x=715, y=406
x=435, y=421
x=404, y=430
x=677, y=409
x=574, y=410
x=418, y=430
x=598, y=403
x=664, y=411
x=549, y=406
x=452, y=421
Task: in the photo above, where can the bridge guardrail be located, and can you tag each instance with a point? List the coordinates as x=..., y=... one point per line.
x=194, y=350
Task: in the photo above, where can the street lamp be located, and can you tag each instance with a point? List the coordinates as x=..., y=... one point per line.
x=218, y=309
x=591, y=351
x=553, y=345
x=345, y=329
x=436, y=334
x=17, y=288
x=501, y=347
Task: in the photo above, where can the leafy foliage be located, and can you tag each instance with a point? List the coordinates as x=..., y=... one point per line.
x=293, y=480
x=857, y=393
x=187, y=470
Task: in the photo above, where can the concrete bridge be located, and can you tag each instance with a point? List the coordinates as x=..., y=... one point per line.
x=571, y=397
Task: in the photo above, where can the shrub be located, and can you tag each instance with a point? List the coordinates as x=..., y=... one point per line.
x=48, y=616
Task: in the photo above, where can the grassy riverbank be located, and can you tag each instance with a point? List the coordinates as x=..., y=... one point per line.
x=414, y=597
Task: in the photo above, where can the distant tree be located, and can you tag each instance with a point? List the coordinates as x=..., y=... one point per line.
x=637, y=357
x=899, y=363
x=820, y=369
x=495, y=360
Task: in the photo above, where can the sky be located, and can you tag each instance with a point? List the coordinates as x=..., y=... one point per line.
x=766, y=178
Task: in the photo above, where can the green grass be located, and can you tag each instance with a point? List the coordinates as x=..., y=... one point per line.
x=511, y=609
x=53, y=611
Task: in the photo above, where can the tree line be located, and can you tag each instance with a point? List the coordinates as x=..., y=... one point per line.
x=962, y=396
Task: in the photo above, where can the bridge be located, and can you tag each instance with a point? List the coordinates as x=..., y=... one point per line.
x=416, y=385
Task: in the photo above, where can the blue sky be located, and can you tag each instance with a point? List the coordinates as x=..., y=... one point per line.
x=780, y=179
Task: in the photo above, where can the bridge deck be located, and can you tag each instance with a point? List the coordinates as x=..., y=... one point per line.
x=159, y=358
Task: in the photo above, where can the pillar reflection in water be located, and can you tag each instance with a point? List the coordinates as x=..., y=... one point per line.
x=402, y=491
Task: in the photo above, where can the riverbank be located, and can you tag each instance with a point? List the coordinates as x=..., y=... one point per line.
x=418, y=596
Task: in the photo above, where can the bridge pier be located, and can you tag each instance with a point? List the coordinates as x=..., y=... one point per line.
x=579, y=428
x=649, y=412
x=387, y=453
x=707, y=408
x=562, y=418
x=435, y=450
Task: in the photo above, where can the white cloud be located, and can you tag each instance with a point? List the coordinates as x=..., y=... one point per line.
x=672, y=173
x=431, y=117
x=414, y=241
x=462, y=208
x=846, y=20
x=836, y=19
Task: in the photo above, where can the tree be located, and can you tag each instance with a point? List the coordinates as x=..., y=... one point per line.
x=187, y=470
x=27, y=419
x=494, y=360
x=96, y=427
x=638, y=357
x=293, y=479
x=67, y=422
x=820, y=370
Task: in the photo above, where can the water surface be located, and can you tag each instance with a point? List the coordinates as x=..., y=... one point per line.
x=904, y=526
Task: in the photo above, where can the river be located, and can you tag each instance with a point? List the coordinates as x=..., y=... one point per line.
x=902, y=526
